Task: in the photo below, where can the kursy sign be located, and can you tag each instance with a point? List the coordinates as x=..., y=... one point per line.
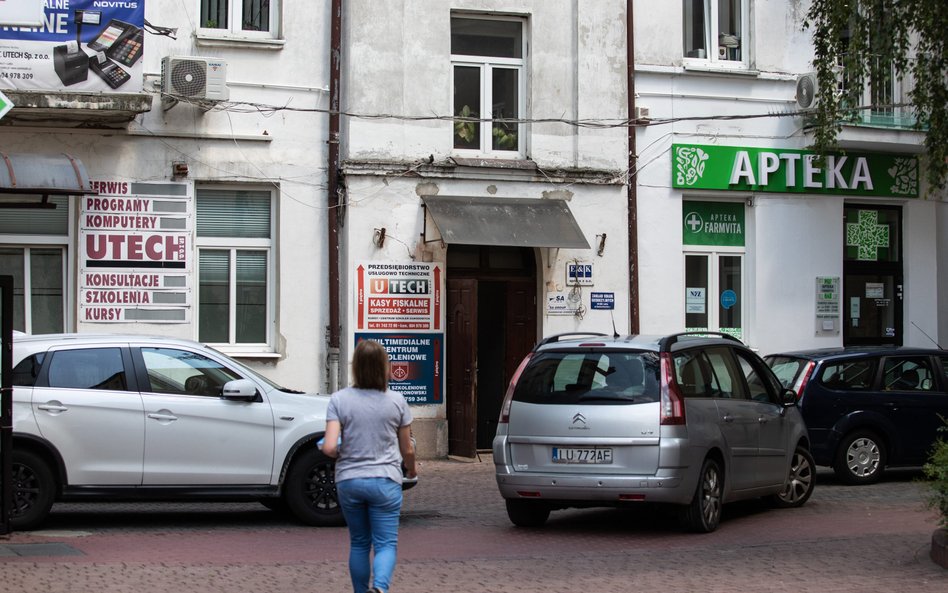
x=781, y=170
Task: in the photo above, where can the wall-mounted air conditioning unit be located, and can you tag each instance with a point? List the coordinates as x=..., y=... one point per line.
x=808, y=92
x=195, y=77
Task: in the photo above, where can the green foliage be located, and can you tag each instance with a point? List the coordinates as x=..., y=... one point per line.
x=506, y=138
x=852, y=38
x=466, y=130
x=936, y=470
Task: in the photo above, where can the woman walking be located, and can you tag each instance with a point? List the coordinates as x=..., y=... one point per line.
x=368, y=430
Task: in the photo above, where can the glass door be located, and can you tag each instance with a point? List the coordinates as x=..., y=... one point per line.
x=714, y=293
x=872, y=276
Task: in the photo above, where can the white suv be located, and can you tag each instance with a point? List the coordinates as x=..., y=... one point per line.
x=121, y=417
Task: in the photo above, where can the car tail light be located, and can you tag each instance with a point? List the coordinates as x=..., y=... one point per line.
x=673, y=404
x=508, y=397
x=804, y=378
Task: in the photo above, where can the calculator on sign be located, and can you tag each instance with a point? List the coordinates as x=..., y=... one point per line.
x=109, y=71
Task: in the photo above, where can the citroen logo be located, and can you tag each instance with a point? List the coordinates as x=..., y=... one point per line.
x=579, y=422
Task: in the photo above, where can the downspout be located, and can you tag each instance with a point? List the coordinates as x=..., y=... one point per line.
x=335, y=57
x=633, y=176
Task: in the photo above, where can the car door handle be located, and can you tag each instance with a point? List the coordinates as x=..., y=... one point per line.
x=160, y=416
x=763, y=419
x=56, y=408
x=728, y=418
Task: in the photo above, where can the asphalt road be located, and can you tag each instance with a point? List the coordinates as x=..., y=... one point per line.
x=455, y=536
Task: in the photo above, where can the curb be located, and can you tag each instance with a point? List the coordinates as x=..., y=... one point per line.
x=940, y=547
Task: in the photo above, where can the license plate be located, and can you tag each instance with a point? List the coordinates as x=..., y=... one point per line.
x=582, y=455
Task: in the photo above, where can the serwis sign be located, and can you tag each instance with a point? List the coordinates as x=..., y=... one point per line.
x=780, y=170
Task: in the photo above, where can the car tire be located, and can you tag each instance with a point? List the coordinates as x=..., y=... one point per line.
x=800, y=481
x=703, y=514
x=527, y=513
x=34, y=489
x=860, y=458
x=310, y=490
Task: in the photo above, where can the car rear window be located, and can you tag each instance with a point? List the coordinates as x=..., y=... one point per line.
x=598, y=377
x=787, y=368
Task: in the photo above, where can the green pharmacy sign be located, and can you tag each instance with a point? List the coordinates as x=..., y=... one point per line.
x=713, y=223
x=782, y=170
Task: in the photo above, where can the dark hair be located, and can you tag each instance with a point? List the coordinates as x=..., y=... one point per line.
x=370, y=365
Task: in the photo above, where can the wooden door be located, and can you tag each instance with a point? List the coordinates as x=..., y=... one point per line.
x=461, y=375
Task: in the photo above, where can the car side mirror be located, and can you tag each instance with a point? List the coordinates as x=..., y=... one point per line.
x=240, y=390
x=788, y=398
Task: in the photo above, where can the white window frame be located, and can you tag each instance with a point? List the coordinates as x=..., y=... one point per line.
x=233, y=30
x=41, y=243
x=232, y=245
x=711, y=32
x=486, y=64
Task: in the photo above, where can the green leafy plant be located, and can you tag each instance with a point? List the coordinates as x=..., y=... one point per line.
x=466, y=130
x=936, y=470
x=504, y=138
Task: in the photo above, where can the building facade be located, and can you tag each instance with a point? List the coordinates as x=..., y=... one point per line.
x=741, y=229
x=454, y=179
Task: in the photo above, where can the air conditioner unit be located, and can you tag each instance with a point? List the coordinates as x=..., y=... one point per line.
x=807, y=91
x=195, y=77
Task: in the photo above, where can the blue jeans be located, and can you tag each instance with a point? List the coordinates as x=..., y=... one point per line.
x=371, y=507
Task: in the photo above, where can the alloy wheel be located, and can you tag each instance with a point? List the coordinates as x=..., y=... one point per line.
x=320, y=487
x=800, y=481
x=862, y=457
x=711, y=495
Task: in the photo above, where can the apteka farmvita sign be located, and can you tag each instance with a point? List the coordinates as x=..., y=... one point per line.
x=780, y=170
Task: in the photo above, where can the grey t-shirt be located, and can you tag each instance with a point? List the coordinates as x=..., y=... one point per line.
x=370, y=420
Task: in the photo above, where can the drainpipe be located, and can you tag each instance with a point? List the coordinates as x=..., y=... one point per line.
x=633, y=177
x=335, y=56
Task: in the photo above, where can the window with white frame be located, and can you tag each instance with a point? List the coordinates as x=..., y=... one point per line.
x=240, y=18
x=487, y=57
x=33, y=251
x=235, y=268
x=716, y=30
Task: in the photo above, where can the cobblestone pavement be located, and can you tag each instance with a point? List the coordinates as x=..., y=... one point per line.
x=455, y=536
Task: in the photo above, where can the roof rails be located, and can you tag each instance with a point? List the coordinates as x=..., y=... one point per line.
x=558, y=337
x=665, y=344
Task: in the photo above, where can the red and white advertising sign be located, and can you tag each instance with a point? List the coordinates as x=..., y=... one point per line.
x=398, y=296
x=135, y=246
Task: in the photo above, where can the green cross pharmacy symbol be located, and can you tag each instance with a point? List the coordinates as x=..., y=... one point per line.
x=868, y=235
x=5, y=105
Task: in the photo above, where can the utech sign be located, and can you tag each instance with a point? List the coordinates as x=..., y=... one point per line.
x=396, y=296
x=781, y=170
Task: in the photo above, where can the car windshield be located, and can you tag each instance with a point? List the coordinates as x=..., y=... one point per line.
x=601, y=377
x=787, y=368
x=255, y=374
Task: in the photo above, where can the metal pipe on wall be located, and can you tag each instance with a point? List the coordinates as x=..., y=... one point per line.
x=633, y=176
x=335, y=57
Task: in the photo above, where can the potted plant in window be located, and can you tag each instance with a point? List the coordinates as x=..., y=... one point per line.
x=936, y=470
x=466, y=130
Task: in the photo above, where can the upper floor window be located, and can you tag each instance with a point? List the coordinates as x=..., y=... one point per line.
x=487, y=56
x=235, y=251
x=240, y=18
x=716, y=30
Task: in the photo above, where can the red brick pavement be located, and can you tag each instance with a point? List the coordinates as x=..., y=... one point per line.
x=455, y=537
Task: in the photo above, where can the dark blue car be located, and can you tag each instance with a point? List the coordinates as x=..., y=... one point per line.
x=868, y=408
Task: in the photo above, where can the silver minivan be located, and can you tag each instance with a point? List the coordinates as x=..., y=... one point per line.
x=695, y=420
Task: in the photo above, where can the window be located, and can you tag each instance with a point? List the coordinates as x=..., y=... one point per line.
x=487, y=56
x=240, y=18
x=26, y=372
x=33, y=251
x=713, y=293
x=590, y=378
x=716, y=30
x=180, y=372
x=235, y=251
x=760, y=381
x=907, y=374
x=90, y=368
x=849, y=375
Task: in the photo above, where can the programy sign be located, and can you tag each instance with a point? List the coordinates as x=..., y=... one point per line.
x=416, y=362
x=78, y=45
x=135, y=241
x=784, y=170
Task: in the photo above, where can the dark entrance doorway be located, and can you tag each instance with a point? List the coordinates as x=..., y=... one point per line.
x=491, y=325
x=872, y=275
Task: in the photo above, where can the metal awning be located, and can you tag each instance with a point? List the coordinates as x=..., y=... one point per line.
x=517, y=222
x=41, y=175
